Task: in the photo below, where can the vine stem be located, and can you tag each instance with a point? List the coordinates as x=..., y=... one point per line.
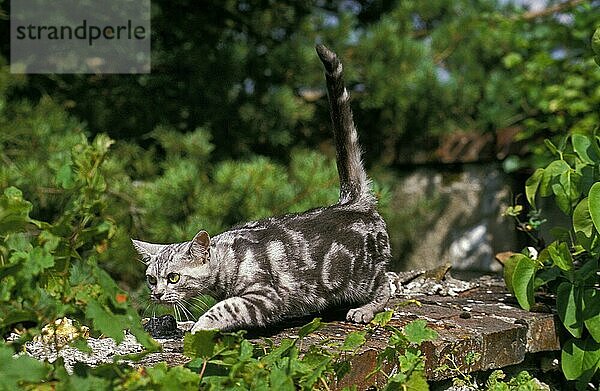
x=204, y=363
x=324, y=383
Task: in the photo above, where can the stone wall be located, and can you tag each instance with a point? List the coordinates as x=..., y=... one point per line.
x=452, y=214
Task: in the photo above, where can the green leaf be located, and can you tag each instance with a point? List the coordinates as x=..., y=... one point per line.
x=580, y=359
x=201, y=344
x=353, y=341
x=14, y=371
x=104, y=321
x=560, y=255
x=64, y=177
x=585, y=233
x=569, y=307
x=14, y=211
x=553, y=149
x=417, y=332
x=591, y=312
x=311, y=327
x=594, y=205
x=519, y=274
x=281, y=380
x=383, y=318
x=551, y=177
x=512, y=59
x=532, y=184
x=596, y=42
x=586, y=148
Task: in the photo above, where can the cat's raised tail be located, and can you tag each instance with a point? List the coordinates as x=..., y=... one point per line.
x=355, y=186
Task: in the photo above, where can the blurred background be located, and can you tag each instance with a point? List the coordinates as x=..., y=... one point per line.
x=453, y=101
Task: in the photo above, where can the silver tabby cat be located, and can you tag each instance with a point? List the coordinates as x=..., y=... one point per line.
x=281, y=267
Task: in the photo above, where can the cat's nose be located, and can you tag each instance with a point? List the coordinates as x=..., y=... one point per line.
x=158, y=295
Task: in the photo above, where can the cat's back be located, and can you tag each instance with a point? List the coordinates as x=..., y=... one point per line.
x=309, y=236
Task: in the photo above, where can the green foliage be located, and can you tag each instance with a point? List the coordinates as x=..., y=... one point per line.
x=228, y=361
x=49, y=269
x=570, y=265
x=18, y=371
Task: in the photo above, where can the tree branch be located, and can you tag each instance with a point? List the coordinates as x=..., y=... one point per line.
x=531, y=15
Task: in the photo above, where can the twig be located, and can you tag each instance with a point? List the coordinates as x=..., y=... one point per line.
x=550, y=10
x=203, y=368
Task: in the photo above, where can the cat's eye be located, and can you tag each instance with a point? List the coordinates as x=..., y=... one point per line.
x=173, y=277
x=151, y=279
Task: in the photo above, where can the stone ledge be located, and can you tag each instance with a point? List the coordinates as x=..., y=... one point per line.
x=485, y=320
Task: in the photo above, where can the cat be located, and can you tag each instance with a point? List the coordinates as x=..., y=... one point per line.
x=266, y=271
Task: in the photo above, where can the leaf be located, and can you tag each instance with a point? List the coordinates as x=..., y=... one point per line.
x=551, y=177
x=587, y=149
x=567, y=191
x=383, y=318
x=596, y=42
x=550, y=145
x=586, y=234
x=353, y=341
x=580, y=359
x=560, y=255
x=104, y=321
x=519, y=273
x=311, y=327
x=417, y=332
x=591, y=312
x=568, y=306
x=532, y=184
x=281, y=380
x=14, y=211
x=594, y=205
x=201, y=344
x=14, y=371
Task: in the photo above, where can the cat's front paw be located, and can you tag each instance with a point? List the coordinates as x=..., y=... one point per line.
x=203, y=324
x=360, y=315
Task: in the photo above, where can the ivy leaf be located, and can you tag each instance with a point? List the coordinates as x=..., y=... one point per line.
x=519, y=275
x=568, y=306
x=580, y=359
x=417, y=332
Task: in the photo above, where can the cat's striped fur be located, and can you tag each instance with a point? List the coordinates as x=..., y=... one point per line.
x=265, y=271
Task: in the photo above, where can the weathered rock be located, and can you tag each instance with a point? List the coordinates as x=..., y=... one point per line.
x=164, y=327
x=484, y=320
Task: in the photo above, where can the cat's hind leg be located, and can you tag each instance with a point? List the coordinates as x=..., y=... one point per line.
x=366, y=313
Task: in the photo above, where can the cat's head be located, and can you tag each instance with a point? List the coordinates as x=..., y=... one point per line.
x=176, y=271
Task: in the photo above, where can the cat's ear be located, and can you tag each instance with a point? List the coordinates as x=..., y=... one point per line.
x=146, y=250
x=200, y=245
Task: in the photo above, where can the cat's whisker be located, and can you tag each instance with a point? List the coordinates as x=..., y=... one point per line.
x=183, y=311
x=175, y=312
x=186, y=311
x=202, y=305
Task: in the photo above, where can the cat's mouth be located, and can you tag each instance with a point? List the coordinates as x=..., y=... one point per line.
x=163, y=300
